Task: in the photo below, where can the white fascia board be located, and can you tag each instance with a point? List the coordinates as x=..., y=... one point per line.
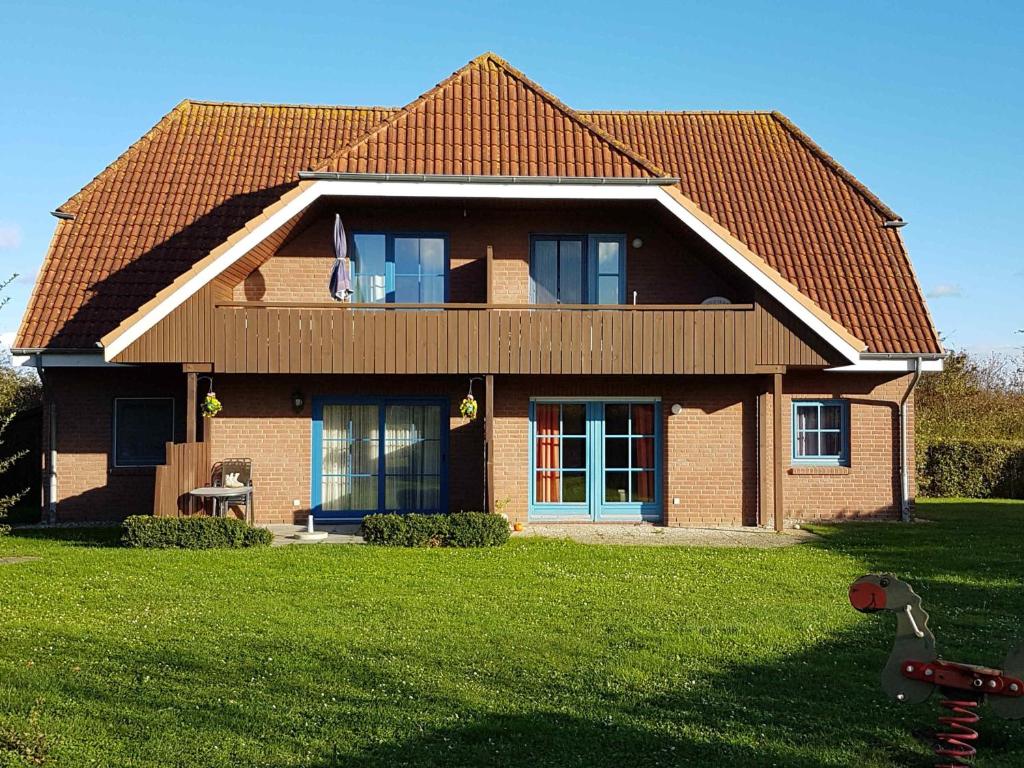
x=71, y=360
x=462, y=191
x=890, y=365
x=208, y=273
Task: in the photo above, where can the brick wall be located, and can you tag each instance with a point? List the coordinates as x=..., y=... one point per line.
x=258, y=422
x=672, y=266
x=710, y=459
x=708, y=453
x=870, y=486
x=88, y=485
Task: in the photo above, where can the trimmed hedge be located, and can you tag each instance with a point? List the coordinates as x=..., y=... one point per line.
x=460, y=529
x=197, y=532
x=978, y=469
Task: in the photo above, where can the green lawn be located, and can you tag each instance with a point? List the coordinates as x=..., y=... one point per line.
x=542, y=653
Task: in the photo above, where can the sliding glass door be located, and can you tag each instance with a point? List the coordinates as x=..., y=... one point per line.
x=382, y=455
x=595, y=460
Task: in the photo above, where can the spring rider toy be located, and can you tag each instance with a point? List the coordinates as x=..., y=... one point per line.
x=915, y=670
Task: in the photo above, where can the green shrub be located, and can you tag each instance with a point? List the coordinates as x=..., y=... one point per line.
x=198, y=532
x=4, y=529
x=426, y=530
x=477, y=529
x=462, y=529
x=257, y=537
x=386, y=530
x=977, y=469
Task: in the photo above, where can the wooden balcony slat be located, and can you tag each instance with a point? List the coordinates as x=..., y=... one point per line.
x=255, y=339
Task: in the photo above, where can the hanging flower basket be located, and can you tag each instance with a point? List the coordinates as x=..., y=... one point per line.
x=211, y=405
x=469, y=407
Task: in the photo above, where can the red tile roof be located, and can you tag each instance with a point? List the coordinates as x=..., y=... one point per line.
x=205, y=169
x=766, y=182
x=489, y=118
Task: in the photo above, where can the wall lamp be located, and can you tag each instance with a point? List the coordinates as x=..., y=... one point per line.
x=298, y=401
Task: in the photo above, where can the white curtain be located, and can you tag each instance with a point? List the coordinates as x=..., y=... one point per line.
x=350, y=458
x=412, y=457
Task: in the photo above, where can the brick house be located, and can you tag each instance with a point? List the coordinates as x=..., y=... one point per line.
x=683, y=317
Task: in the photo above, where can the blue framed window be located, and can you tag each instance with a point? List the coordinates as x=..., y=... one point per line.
x=821, y=432
x=596, y=460
x=578, y=269
x=399, y=268
x=142, y=428
x=378, y=455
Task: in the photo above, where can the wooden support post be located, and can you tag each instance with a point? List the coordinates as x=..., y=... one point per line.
x=191, y=409
x=778, y=445
x=490, y=274
x=489, y=443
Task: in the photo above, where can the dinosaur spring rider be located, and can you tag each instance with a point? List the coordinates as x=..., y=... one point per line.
x=915, y=670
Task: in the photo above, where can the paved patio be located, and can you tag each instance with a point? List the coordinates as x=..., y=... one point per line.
x=604, y=533
x=336, y=534
x=657, y=535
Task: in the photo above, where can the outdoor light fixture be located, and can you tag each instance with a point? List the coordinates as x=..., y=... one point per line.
x=298, y=401
x=638, y=243
x=676, y=409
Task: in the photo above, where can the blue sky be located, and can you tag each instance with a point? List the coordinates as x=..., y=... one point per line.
x=921, y=100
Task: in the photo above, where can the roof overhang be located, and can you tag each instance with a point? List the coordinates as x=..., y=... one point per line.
x=313, y=187
x=423, y=178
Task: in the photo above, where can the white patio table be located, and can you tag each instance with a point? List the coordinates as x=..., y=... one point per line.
x=220, y=494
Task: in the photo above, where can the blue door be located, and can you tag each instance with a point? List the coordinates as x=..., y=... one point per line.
x=378, y=455
x=593, y=460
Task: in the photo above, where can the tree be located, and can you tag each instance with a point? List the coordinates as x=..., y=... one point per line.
x=18, y=390
x=972, y=398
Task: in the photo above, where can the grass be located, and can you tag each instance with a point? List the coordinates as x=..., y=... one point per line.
x=541, y=653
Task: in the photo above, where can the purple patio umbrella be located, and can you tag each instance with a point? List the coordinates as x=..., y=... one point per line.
x=341, y=284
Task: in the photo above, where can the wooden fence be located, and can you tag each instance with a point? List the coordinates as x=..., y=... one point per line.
x=187, y=466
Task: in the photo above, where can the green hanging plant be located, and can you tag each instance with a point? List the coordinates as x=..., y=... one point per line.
x=211, y=406
x=469, y=407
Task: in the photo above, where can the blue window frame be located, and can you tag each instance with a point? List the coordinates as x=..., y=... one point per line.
x=142, y=428
x=578, y=269
x=598, y=460
x=399, y=267
x=821, y=432
x=378, y=455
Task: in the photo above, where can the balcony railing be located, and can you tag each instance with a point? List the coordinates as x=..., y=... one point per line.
x=253, y=337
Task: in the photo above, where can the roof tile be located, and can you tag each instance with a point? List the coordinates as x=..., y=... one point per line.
x=207, y=168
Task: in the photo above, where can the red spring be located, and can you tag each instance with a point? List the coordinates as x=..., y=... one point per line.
x=954, y=743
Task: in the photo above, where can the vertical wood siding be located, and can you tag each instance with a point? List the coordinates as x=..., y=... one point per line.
x=187, y=466
x=465, y=338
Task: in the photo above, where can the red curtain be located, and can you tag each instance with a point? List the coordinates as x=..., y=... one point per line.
x=548, y=485
x=643, y=424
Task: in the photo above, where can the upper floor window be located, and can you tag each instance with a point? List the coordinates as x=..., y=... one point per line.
x=578, y=269
x=399, y=268
x=142, y=427
x=821, y=432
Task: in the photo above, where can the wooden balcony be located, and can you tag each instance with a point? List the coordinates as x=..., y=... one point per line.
x=500, y=339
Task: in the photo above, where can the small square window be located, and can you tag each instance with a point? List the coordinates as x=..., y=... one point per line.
x=821, y=432
x=142, y=428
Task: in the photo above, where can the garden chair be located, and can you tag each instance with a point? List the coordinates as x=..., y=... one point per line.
x=230, y=471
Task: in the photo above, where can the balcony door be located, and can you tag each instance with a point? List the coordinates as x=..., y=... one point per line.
x=578, y=269
x=397, y=268
x=378, y=455
x=594, y=460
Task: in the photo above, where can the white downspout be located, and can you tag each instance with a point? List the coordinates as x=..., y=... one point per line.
x=51, y=500
x=904, y=458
